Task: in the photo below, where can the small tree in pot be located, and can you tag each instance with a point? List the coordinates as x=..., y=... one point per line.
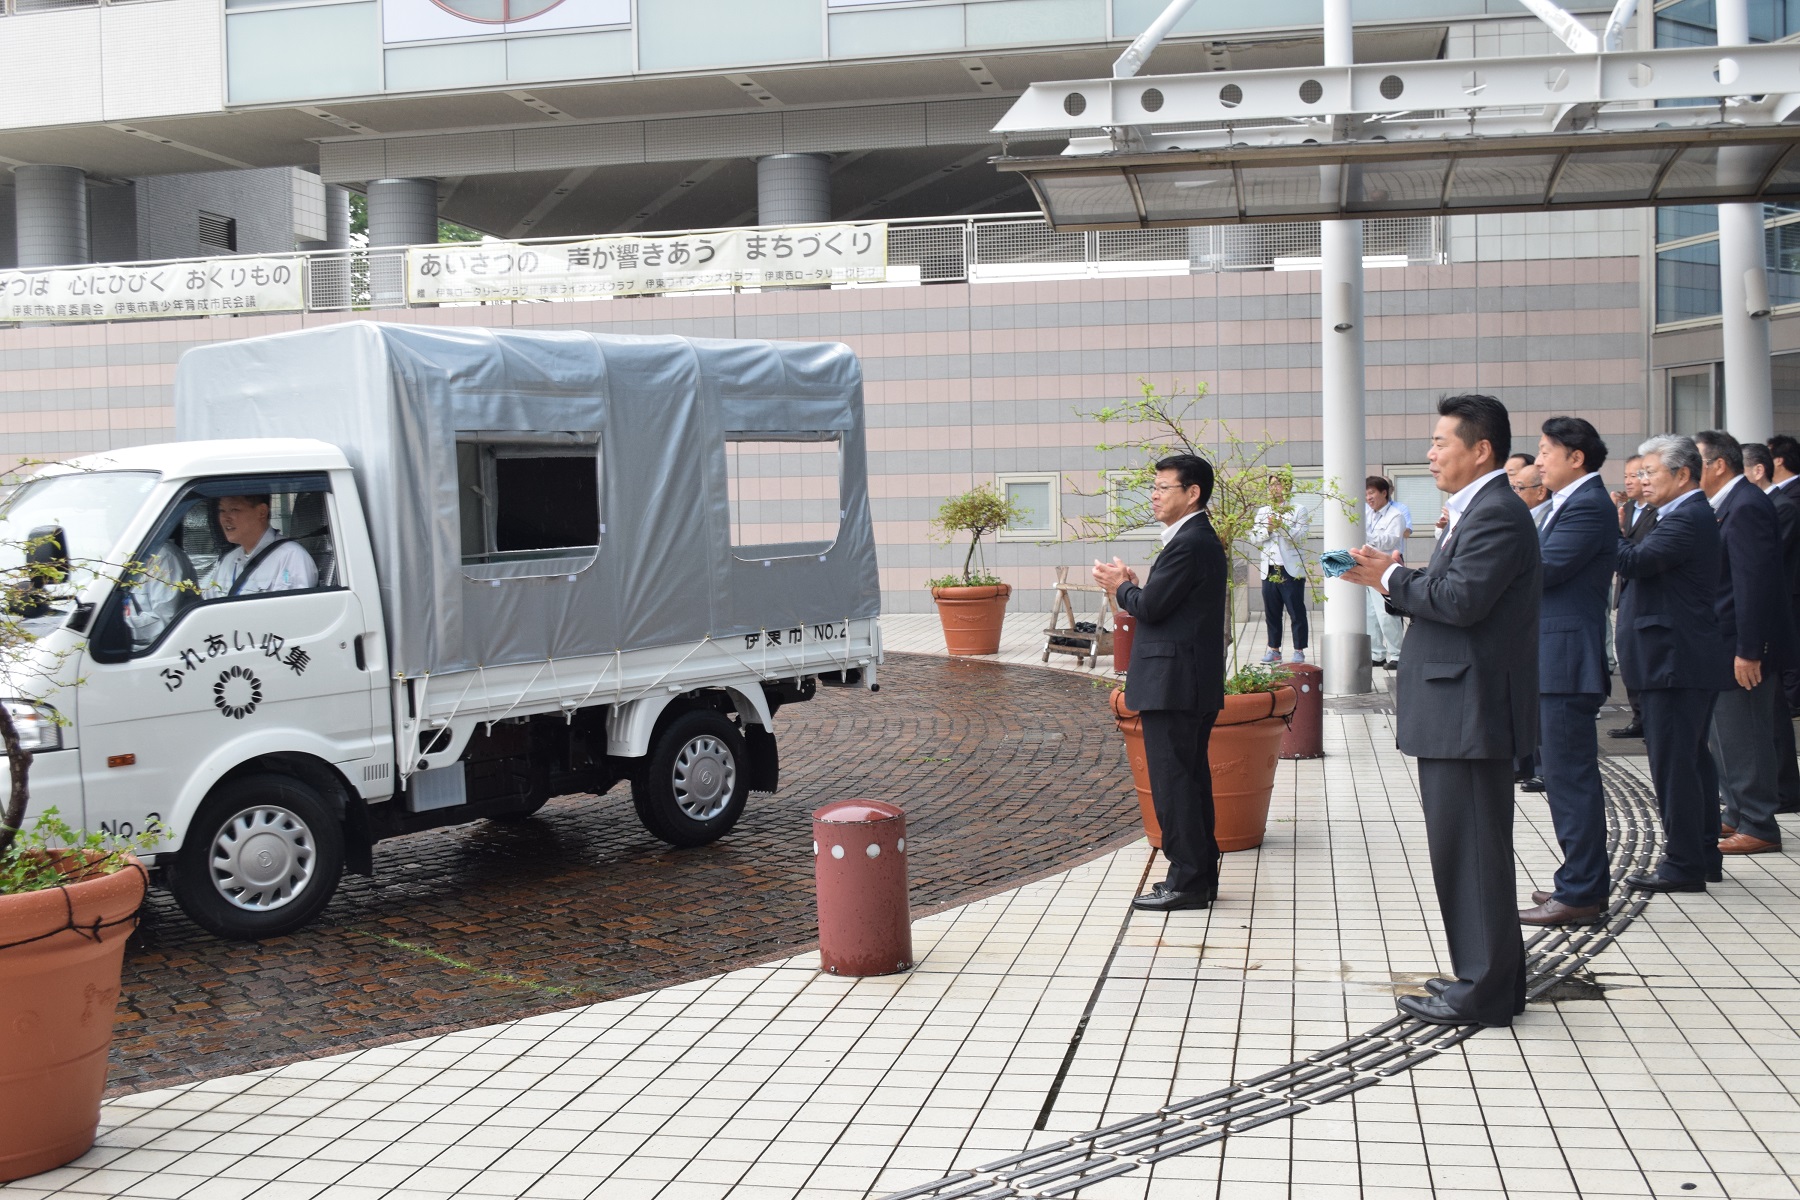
x=68, y=899
x=972, y=605
x=1246, y=736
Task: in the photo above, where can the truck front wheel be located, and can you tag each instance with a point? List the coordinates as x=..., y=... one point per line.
x=260, y=859
x=692, y=790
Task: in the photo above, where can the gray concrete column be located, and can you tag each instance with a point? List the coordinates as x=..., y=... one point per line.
x=1344, y=649
x=50, y=215
x=1743, y=282
x=402, y=212
x=793, y=189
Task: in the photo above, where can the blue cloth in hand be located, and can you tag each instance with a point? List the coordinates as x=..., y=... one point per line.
x=1336, y=562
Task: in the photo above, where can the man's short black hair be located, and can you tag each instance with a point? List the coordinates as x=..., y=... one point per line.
x=1757, y=455
x=1575, y=433
x=1716, y=444
x=1480, y=419
x=254, y=498
x=1380, y=483
x=1192, y=470
x=1786, y=450
x=1524, y=458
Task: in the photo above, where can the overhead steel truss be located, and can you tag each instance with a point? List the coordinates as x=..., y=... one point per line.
x=1694, y=125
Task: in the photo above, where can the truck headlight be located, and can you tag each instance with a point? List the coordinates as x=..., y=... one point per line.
x=36, y=725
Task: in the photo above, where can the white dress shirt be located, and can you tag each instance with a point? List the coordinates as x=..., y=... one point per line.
x=1563, y=493
x=1386, y=528
x=1454, y=506
x=1169, y=531
x=1718, y=497
x=1663, y=510
x=1280, y=545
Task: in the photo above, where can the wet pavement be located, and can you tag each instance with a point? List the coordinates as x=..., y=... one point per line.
x=1006, y=775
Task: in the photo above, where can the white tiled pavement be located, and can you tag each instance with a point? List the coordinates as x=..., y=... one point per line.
x=776, y=1082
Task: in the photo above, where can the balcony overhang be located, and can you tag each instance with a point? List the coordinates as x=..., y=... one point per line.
x=1543, y=133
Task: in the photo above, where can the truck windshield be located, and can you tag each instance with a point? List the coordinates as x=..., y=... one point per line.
x=92, y=508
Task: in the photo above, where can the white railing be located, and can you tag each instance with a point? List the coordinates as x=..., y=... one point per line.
x=1017, y=246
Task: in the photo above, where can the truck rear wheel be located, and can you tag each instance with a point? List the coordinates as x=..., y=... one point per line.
x=261, y=858
x=692, y=791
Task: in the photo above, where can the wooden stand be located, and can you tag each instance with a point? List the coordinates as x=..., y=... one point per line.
x=1086, y=646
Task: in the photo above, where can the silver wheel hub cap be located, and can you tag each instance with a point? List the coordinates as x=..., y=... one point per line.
x=705, y=777
x=263, y=858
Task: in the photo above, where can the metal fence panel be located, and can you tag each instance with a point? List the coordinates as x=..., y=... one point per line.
x=939, y=251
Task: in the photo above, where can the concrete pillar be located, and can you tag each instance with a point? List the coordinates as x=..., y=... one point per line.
x=793, y=189
x=1345, y=645
x=402, y=212
x=1743, y=283
x=50, y=215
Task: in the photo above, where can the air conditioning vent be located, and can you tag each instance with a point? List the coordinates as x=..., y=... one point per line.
x=377, y=771
x=218, y=233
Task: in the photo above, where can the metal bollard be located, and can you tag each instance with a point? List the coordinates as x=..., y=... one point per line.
x=859, y=863
x=1305, y=736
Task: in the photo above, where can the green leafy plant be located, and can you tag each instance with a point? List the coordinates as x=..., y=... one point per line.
x=50, y=852
x=1256, y=677
x=978, y=512
x=1155, y=425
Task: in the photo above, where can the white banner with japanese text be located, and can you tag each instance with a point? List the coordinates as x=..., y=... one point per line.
x=123, y=291
x=789, y=256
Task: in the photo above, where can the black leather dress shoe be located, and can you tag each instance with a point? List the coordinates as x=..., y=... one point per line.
x=1159, y=899
x=1533, y=784
x=1435, y=1011
x=1436, y=986
x=1647, y=882
x=1633, y=730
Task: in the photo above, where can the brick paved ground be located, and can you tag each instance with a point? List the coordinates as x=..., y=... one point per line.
x=1006, y=773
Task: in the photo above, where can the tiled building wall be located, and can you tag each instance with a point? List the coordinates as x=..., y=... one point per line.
x=966, y=381
x=169, y=207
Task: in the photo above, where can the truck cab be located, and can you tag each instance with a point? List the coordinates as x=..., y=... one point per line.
x=276, y=650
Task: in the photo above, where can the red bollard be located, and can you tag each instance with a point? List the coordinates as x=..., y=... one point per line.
x=1305, y=736
x=859, y=863
x=1124, y=629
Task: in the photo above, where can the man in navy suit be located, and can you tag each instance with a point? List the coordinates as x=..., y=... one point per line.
x=1672, y=653
x=1754, y=619
x=1176, y=677
x=1579, y=543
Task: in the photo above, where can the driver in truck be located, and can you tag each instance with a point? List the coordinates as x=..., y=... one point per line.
x=260, y=560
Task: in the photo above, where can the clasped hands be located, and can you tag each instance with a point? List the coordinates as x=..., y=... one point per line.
x=1371, y=565
x=1111, y=575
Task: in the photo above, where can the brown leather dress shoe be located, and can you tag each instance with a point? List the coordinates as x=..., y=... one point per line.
x=1555, y=912
x=1726, y=831
x=1539, y=897
x=1743, y=843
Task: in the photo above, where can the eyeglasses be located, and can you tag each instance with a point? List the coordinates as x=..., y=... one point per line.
x=1522, y=488
x=1169, y=487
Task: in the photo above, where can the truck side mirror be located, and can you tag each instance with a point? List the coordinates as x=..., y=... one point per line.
x=47, y=554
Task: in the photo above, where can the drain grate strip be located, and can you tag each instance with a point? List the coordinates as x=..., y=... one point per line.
x=1392, y=1048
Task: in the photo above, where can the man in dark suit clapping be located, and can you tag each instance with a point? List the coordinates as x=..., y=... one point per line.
x=1579, y=542
x=1637, y=517
x=1467, y=704
x=1776, y=483
x=1672, y=653
x=1756, y=624
x=1176, y=677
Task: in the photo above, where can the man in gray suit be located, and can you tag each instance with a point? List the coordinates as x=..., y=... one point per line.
x=1468, y=691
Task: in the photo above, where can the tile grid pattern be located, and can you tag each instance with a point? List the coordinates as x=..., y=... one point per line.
x=778, y=1081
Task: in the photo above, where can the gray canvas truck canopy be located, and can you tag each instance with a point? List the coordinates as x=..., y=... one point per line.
x=409, y=406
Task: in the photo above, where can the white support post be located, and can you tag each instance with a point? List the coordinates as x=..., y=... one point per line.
x=1749, y=386
x=1345, y=645
x=1571, y=32
x=1138, y=53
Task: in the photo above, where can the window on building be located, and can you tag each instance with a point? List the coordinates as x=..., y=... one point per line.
x=1040, y=498
x=785, y=492
x=532, y=502
x=1687, y=282
x=1694, y=399
x=218, y=233
x=1128, y=506
x=1415, y=488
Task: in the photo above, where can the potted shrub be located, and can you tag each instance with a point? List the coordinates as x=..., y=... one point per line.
x=1246, y=736
x=68, y=899
x=972, y=605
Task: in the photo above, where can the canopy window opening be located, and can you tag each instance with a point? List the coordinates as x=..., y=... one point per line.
x=526, y=502
x=785, y=492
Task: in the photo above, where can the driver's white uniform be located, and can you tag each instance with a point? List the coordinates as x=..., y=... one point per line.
x=286, y=568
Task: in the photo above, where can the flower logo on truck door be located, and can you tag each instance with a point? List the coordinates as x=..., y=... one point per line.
x=237, y=693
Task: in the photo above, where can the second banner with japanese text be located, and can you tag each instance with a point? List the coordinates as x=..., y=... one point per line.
x=789, y=256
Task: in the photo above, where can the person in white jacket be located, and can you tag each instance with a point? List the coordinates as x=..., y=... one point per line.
x=1386, y=525
x=1279, y=530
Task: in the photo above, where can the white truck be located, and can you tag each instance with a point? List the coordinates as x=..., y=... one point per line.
x=540, y=563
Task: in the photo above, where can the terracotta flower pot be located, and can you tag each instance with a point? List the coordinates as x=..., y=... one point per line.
x=972, y=617
x=57, y=997
x=1243, y=750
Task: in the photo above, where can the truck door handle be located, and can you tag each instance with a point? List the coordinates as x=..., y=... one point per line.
x=361, y=664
